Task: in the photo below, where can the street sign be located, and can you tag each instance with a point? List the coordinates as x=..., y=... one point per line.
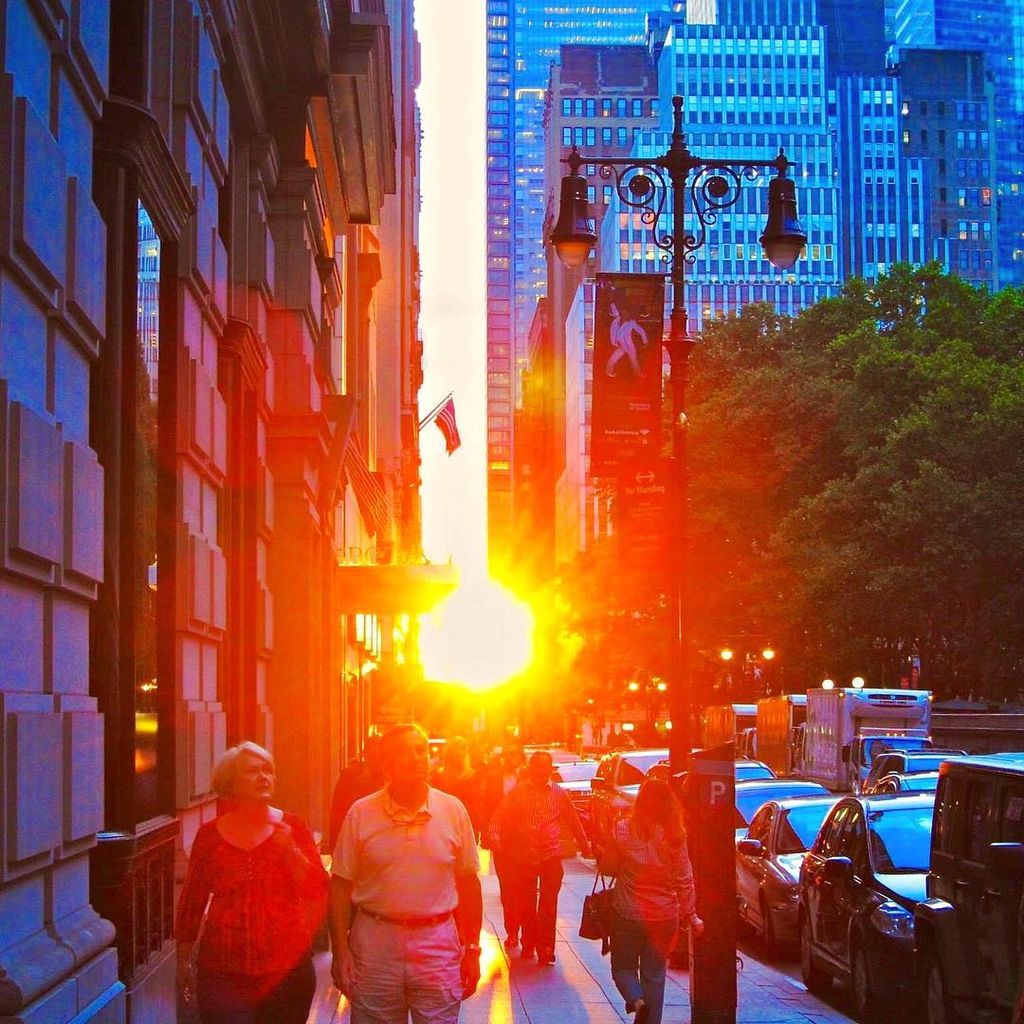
x=711, y=836
x=644, y=519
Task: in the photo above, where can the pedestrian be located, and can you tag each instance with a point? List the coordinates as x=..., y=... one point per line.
x=256, y=890
x=654, y=897
x=457, y=777
x=527, y=831
x=500, y=778
x=405, y=907
x=355, y=781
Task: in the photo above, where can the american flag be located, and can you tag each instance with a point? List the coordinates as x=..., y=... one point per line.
x=445, y=420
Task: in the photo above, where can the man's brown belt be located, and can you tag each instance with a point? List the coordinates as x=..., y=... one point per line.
x=408, y=922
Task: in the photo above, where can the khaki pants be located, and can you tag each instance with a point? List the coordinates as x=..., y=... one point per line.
x=401, y=971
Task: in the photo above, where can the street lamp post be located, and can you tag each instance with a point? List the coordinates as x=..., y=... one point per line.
x=646, y=185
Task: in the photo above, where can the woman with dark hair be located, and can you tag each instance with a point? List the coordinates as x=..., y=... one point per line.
x=654, y=897
x=254, y=897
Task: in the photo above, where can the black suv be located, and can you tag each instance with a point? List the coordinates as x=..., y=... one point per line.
x=967, y=931
x=859, y=884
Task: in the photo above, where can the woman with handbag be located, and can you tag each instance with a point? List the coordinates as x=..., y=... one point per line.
x=653, y=897
x=254, y=898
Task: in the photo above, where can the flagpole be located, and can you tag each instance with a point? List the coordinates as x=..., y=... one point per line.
x=437, y=408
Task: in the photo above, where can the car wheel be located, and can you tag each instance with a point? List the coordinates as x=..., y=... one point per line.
x=864, y=1003
x=937, y=1006
x=771, y=940
x=816, y=980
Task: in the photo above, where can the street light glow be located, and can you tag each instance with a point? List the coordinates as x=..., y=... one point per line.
x=857, y=682
x=634, y=686
x=726, y=654
x=827, y=684
x=768, y=654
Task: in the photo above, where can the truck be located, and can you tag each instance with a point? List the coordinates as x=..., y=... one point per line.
x=726, y=723
x=846, y=727
x=778, y=728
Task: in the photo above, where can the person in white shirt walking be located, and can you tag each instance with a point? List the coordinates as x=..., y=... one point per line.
x=406, y=907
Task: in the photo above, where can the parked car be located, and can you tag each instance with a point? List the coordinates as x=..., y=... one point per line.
x=559, y=754
x=859, y=886
x=753, y=795
x=968, y=932
x=575, y=777
x=768, y=863
x=915, y=782
x=745, y=770
x=749, y=769
x=615, y=785
x=903, y=762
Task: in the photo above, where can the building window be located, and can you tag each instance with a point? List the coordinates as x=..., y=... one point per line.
x=590, y=106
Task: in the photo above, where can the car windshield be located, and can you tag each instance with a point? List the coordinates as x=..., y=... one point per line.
x=926, y=762
x=882, y=745
x=900, y=839
x=753, y=771
x=799, y=827
x=748, y=801
x=635, y=766
x=926, y=782
x=581, y=771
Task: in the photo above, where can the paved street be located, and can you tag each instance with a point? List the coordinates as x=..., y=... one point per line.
x=579, y=989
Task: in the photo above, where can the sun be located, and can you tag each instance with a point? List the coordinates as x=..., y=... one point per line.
x=480, y=637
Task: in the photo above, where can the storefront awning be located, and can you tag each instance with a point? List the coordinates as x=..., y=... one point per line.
x=394, y=589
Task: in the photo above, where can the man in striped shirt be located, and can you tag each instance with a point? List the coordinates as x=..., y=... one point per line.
x=527, y=830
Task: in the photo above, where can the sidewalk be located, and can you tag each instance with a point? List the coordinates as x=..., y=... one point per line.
x=579, y=989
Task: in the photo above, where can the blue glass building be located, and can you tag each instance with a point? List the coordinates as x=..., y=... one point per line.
x=754, y=76
x=523, y=38
x=883, y=189
x=996, y=29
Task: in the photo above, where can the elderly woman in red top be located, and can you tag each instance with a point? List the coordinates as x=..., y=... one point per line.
x=256, y=874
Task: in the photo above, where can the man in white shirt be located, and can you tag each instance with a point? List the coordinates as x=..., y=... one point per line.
x=406, y=908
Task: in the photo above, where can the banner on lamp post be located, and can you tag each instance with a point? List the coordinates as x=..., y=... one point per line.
x=644, y=519
x=629, y=319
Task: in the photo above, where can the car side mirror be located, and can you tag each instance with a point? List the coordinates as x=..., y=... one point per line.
x=838, y=869
x=750, y=847
x=846, y=753
x=1007, y=859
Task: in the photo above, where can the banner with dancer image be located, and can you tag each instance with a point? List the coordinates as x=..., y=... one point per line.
x=629, y=318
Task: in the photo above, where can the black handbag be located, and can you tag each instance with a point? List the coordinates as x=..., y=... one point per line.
x=596, y=920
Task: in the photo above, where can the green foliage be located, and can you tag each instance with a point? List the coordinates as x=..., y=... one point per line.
x=858, y=483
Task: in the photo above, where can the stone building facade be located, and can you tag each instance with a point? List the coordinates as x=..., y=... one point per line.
x=209, y=366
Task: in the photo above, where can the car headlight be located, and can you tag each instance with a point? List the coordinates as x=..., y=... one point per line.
x=893, y=920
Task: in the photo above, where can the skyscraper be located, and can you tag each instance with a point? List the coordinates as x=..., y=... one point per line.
x=753, y=75
x=523, y=38
x=996, y=29
x=946, y=113
x=883, y=184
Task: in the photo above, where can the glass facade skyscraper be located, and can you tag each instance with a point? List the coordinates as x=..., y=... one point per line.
x=523, y=38
x=996, y=29
x=753, y=75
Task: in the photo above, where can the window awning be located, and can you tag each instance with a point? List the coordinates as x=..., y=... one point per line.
x=394, y=589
